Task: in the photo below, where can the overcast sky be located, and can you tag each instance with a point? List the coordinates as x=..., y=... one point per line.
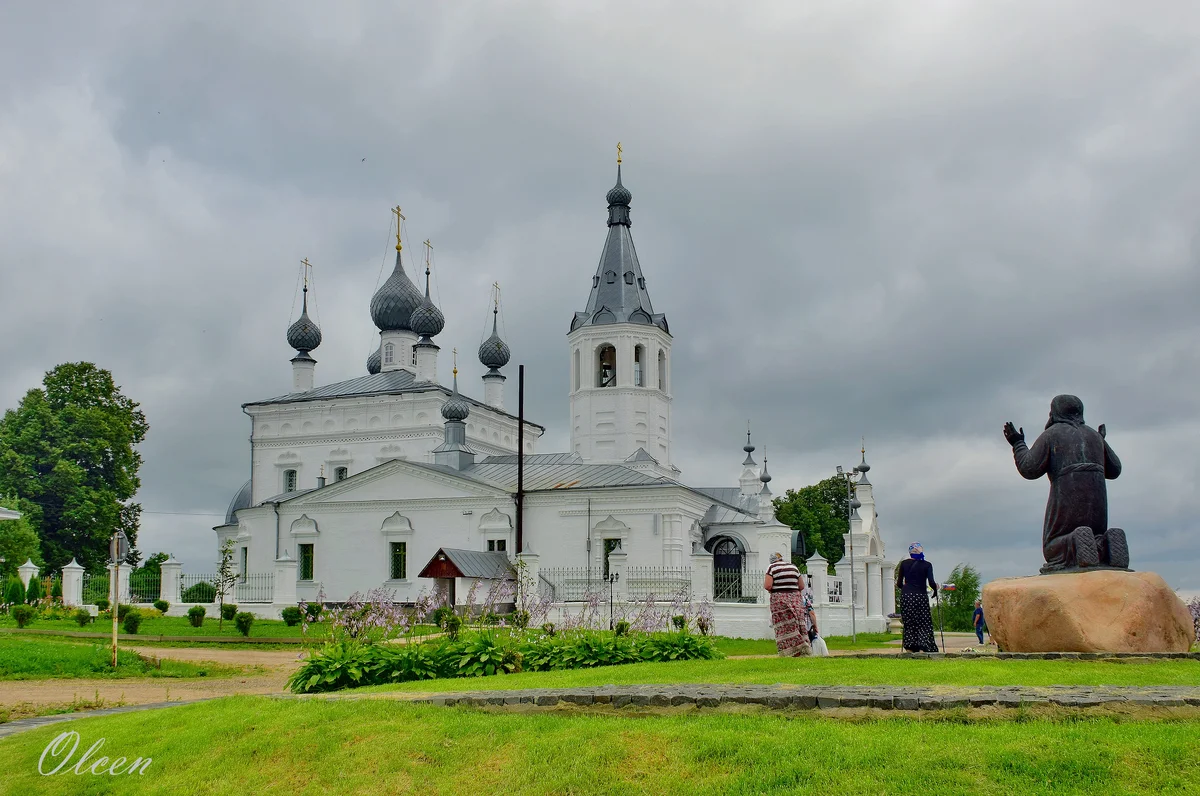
x=910, y=221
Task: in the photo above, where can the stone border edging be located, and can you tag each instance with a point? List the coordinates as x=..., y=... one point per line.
x=142, y=637
x=1039, y=656
x=21, y=725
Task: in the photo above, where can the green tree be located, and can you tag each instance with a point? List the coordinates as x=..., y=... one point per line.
x=819, y=512
x=226, y=578
x=959, y=605
x=154, y=563
x=18, y=542
x=69, y=450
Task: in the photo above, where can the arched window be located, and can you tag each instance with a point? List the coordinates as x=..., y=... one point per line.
x=341, y=473
x=577, y=376
x=662, y=370
x=389, y=354
x=606, y=366
x=639, y=359
x=289, y=480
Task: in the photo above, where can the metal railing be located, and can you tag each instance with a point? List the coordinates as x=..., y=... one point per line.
x=255, y=588
x=96, y=587
x=736, y=586
x=197, y=588
x=144, y=587
x=661, y=583
x=571, y=584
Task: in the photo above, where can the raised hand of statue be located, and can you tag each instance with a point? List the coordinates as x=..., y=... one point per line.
x=1012, y=434
x=1101, y=430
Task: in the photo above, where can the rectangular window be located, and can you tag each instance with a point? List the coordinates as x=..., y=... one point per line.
x=289, y=480
x=245, y=564
x=399, y=560
x=341, y=474
x=306, y=562
x=497, y=545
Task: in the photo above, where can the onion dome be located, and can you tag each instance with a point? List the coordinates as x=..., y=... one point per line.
x=765, y=477
x=749, y=449
x=618, y=198
x=393, y=303
x=427, y=320
x=374, y=362
x=304, y=335
x=862, y=467
x=456, y=407
x=494, y=352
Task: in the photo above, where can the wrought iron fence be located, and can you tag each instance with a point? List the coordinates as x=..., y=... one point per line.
x=197, y=588
x=662, y=583
x=833, y=589
x=571, y=584
x=145, y=587
x=736, y=586
x=255, y=588
x=96, y=587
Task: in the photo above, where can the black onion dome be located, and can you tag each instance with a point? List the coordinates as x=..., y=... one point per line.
x=427, y=319
x=393, y=303
x=619, y=194
x=494, y=352
x=456, y=407
x=374, y=362
x=304, y=335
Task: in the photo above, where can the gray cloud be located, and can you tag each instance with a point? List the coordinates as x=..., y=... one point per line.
x=911, y=224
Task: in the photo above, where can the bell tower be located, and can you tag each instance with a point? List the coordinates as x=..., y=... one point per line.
x=620, y=351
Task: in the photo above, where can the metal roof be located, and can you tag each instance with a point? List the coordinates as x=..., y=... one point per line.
x=478, y=564
x=240, y=501
x=391, y=382
x=541, y=477
x=640, y=455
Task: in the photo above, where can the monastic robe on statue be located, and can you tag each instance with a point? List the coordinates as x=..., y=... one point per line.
x=1078, y=460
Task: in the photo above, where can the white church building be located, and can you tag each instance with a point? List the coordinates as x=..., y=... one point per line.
x=362, y=483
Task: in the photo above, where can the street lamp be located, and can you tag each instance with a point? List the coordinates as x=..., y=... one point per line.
x=118, y=549
x=610, y=580
x=852, y=503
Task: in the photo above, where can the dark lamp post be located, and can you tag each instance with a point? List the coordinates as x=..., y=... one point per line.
x=852, y=503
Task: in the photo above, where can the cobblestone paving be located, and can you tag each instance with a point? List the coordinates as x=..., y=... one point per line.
x=781, y=697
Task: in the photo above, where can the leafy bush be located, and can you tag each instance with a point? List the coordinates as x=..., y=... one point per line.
x=336, y=666
x=228, y=611
x=678, y=647
x=132, y=621
x=548, y=629
x=453, y=624
x=102, y=605
x=196, y=615
x=703, y=625
x=621, y=628
x=34, y=592
x=124, y=611
x=438, y=617
x=14, y=591
x=202, y=592
x=82, y=616
x=520, y=619
x=680, y=622
x=243, y=621
x=24, y=614
x=161, y=606
x=56, y=589
x=489, y=618
x=291, y=615
x=486, y=655
x=313, y=610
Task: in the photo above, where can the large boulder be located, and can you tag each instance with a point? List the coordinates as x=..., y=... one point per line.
x=1101, y=611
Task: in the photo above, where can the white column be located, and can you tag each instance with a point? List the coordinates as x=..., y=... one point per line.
x=889, y=587
x=27, y=572
x=617, y=561
x=493, y=391
x=817, y=570
x=874, y=590
x=859, y=574
x=171, y=572
x=775, y=537
x=702, y=576
x=123, y=583
x=427, y=356
x=303, y=373
x=72, y=583
x=402, y=342
x=283, y=586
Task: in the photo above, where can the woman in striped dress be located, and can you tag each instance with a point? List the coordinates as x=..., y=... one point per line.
x=791, y=613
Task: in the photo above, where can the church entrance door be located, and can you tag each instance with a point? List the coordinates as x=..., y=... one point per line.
x=727, y=570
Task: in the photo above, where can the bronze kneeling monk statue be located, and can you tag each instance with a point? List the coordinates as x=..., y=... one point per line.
x=1075, y=534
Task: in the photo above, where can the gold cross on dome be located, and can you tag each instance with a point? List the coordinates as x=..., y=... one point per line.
x=619, y=150
x=399, y=217
x=307, y=265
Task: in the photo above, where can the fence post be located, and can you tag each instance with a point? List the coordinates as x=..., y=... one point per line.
x=702, y=576
x=818, y=570
x=27, y=571
x=617, y=561
x=283, y=585
x=169, y=590
x=72, y=583
x=123, y=586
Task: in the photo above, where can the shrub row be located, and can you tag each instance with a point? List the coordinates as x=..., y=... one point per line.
x=350, y=665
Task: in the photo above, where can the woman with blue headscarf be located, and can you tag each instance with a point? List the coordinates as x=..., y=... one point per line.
x=913, y=576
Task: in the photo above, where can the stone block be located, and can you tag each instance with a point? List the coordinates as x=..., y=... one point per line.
x=1102, y=611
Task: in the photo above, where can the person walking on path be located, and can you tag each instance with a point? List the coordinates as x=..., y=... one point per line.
x=914, y=574
x=977, y=618
x=791, y=614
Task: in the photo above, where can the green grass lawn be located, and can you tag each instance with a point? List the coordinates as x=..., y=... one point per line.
x=251, y=744
x=179, y=626
x=40, y=658
x=838, y=671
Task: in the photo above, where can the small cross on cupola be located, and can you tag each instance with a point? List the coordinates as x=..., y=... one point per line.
x=304, y=335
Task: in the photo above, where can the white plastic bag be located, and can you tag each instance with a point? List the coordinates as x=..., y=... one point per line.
x=819, y=649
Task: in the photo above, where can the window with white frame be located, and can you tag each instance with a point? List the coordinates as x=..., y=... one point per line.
x=289, y=480
x=389, y=354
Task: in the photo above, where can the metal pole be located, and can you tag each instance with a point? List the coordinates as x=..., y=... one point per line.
x=941, y=624
x=850, y=529
x=520, y=459
x=115, y=605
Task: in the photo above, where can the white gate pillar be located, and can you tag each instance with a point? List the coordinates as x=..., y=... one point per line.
x=172, y=571
x=874, y=590
x=72, y=583
x=27, y=572
x=283, y=591
x=889, y=587
x=702, y=576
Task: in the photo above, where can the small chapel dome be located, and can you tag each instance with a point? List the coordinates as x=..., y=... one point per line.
x=374, y=362
x=456, y=407
x=304, y=335
x=493, y=352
